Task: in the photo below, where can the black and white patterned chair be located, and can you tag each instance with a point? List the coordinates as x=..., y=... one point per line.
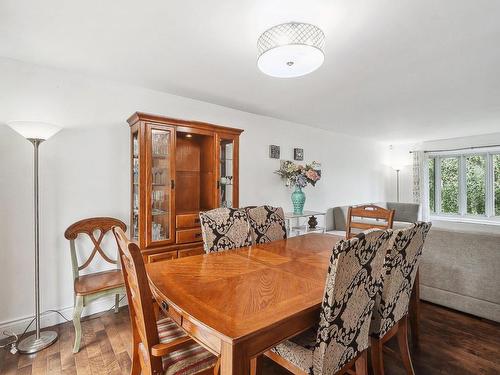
x=225, y=229
x=341, y=338
x=267, y=224
x=390, y=316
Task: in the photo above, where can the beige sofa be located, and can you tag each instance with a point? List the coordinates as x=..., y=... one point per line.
x=460, y=268
x=460, y=265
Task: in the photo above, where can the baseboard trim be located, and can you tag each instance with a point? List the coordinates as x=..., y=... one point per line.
x=50, y=318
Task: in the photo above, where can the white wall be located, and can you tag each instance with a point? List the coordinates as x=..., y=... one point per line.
x=85, y=170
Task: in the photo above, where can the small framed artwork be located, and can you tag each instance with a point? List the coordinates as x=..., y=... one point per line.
x=298, y=154
x=274, y=152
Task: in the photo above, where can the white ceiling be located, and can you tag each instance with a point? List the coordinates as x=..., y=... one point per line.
x=394, y=70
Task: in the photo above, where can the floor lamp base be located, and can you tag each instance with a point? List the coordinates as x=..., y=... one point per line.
x=32, y=345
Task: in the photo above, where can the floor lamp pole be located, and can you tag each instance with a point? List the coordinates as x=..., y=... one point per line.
x=40, y=340
x=397, y=184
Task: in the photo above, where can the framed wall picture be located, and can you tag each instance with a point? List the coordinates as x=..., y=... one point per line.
x=274, y=152
x=298, y=154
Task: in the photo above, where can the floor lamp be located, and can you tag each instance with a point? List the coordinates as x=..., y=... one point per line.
x=36, y=133
x=397, y=168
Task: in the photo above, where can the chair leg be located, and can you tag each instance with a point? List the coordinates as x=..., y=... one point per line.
x=117, y=303
x=256, y=365
x=403, y=345
x=217, y=367
x=77, y=314
x=377, y=356
x=136, y=364
x=361, y=364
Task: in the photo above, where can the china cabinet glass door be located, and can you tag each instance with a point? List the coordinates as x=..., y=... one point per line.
x=226, y=173
x=134, y=230
x=161, y=183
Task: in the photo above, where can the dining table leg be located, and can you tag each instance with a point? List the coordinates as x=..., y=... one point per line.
x=234, y=360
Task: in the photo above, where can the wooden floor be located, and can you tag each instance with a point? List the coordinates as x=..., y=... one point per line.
x=451, y=343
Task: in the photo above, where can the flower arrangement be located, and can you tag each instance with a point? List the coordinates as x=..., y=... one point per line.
x=299, y=175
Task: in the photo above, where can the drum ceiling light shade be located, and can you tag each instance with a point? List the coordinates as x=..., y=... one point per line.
x=33, y=129
x=291, y=50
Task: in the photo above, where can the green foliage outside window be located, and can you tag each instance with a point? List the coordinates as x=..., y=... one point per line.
x=475, y=169
x=475, y=184
x=496, y=184
x=449, y=185
x=432, y=185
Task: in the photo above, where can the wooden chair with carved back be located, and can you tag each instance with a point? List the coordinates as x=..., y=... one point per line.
x=91, y=286
x=159, y=347
x=372, y=217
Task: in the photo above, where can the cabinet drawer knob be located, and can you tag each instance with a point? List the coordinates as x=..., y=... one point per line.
x=197, y=220
x=197, y=235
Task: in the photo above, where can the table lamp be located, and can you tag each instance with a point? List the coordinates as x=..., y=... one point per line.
x=36, y=133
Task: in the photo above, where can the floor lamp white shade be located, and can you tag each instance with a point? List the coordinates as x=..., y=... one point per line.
x=36, y=133
x=34, y=130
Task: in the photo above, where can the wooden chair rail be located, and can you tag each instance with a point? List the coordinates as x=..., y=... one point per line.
x=90, y=225
x=368, y=211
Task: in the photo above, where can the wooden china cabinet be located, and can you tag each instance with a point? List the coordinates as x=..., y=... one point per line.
x=179, y=168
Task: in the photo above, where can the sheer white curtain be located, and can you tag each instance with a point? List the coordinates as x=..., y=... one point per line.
x=421, y=183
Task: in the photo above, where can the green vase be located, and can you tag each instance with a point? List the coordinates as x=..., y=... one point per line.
x=298, y=200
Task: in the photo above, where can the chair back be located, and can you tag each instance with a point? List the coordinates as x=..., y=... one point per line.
x=352, y=283
x=142, y=316
x=89, y=227
x=224, y=229
x=375, y=218
x=267, y=223
x=400, y=269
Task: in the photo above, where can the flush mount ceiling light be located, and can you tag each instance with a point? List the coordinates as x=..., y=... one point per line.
x=291, y=50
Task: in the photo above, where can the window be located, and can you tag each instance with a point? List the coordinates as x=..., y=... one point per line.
x=496, y=169
x=449, y=185
x=465, y=185
x=475, y=173
x=432, y=184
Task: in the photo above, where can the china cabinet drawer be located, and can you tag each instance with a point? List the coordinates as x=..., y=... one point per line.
x=187, y=221
x=167, y=255
x=191, y=252
x=188, y=235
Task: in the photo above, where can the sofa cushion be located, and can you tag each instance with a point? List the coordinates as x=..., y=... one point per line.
x=407, y=212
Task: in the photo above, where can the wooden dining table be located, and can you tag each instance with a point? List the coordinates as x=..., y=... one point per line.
x=240, y=303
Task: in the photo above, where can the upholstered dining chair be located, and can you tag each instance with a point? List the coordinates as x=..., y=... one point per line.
x=341, y=339
x=370, y=217
x=89, y=287
x=267, y=223
x=159, y=347
x=224, y=229
x=390, y=316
